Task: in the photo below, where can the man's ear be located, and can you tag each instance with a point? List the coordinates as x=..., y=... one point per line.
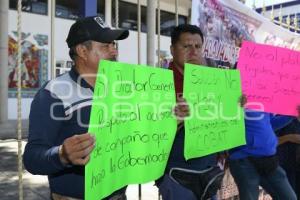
x=81, y=51
x=172, y=50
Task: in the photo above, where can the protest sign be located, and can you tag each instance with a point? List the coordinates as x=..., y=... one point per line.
x=134, y=127
x=216, y=120
x=270, y=78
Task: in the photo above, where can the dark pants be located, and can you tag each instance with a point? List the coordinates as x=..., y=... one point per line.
x=248, y=181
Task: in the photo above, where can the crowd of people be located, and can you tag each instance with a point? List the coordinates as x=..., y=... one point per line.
x=61, y=148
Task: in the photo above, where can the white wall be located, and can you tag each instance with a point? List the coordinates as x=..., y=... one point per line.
x=127, y=48
x=62, y=27
x=12, y=108
x=41, y=24
x=128, y=51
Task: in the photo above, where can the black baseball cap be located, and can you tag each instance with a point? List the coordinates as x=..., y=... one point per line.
x=93, y=28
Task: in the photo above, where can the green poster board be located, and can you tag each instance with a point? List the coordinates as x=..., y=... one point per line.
x=216, y=121
x=133, y=124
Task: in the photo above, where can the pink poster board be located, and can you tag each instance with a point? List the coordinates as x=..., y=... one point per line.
x=270, y=78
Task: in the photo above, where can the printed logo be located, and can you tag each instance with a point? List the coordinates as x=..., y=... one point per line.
x=101, y=22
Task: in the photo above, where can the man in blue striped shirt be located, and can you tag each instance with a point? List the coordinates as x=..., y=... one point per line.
x=58, y=144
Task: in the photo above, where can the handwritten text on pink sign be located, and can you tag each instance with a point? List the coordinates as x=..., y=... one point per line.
x=270, y=78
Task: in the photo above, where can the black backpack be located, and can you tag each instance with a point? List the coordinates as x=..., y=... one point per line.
x=204, y=183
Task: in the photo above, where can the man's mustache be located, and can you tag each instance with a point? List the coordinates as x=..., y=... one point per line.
x=113, y=59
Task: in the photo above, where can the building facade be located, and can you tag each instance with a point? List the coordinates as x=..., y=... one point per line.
x=36, y=39
x=285, y=14
x=42, y=30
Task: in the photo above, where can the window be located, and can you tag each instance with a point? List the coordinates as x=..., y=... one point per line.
x=67, y=9
x=292, y=20
x=128, y=16
x=168, y=22
x=101, y=8
x=32, y=6
x=63, y=66
x=298, y=21
x=292, y=24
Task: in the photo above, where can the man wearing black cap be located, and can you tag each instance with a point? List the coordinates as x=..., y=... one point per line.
x=58, y=143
